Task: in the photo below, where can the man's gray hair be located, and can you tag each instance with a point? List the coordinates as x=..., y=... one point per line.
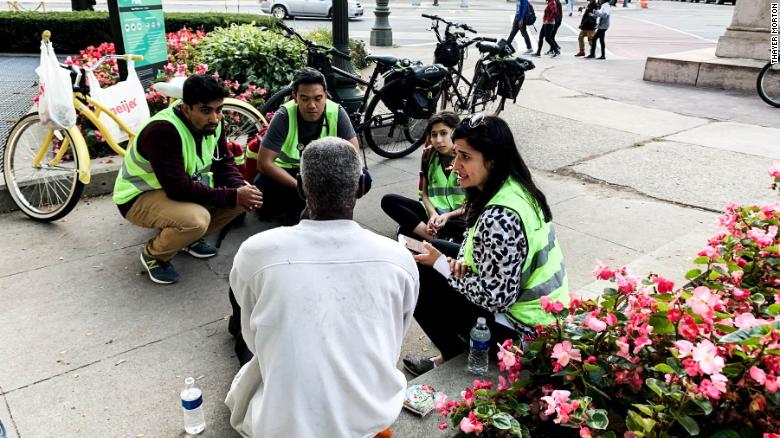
x=330, y=170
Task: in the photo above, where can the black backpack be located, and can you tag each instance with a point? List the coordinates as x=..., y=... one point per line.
x=530, y=15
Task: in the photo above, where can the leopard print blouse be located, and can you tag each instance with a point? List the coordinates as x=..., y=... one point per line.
x=500, y=249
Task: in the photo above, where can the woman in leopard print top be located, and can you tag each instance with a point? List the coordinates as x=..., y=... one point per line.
x=452, y=296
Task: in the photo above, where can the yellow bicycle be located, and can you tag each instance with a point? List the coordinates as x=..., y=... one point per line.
x=46, y=168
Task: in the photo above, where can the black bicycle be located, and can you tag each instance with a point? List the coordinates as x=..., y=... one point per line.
x=391, y=118
x=768, y=84
x=498, y=75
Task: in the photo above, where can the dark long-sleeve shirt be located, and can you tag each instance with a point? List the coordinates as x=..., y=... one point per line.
x=160, y=144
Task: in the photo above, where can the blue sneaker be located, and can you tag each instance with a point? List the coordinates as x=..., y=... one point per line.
x=200, y=249
x=159, y=271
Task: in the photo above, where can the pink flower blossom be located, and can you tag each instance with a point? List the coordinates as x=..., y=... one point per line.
x=706, y=356
x=663, y=285
x=747, y=320
x=564, y=353
x=740, y=294
x=763, y=238
x=674, y=315
x=758, y=375
x=771, y=384
x=774, y=171
x=640, y=343
x=610, y=319
x=201, y=69
x=709, y=251
x=558, y=403
x=626, y=283
x=684, y=347
x=594, y=323
x=711, y=389
x=602, y=272
x=549, y=306
x=622, y=343
x=442, y=425
x=470, y=424
x=506, y=358
x=702, y=302
x=585, y=432
x=502, y=384
x=440, y=404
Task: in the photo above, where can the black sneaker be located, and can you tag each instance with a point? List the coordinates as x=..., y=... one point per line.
x=159, y=271
x=200, y=249
x=417, y=366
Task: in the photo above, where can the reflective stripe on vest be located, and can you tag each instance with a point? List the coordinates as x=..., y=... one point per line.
x=239, y=159
x=543, y=272
x=289, y=154
x=136, y=174
x=443, y=190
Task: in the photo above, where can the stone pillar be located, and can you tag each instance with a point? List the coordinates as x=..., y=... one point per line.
x=382, y=33
x=748, y=34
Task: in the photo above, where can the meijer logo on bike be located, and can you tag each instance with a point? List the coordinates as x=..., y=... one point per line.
x=124, y=107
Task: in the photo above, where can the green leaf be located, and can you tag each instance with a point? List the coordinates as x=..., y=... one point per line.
x=773, y=309
x=661, y=324
x=663, y=368
x=656, y=386
x=485, y=410
x=687, y=422
x=645, y=409
x=638, y=423
x=693, y=273
x=733, y=369
x=704, y=404
x=502, y=421
x=725, y=328
x=592, y=368
x=744, y=335
x=598, y=419
x=757, y=299
x=701, y=260
x=728, y=433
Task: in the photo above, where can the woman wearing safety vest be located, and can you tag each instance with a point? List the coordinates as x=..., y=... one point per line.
x=439, y=211
x=509, y=260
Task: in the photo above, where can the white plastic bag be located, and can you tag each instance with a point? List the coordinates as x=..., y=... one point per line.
x=125, y=99
x=55, y=103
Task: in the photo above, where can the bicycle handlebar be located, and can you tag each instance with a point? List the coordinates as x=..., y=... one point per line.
x=449, y=23
x=313, y=45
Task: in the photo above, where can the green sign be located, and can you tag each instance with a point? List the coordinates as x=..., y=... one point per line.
x=139, y=29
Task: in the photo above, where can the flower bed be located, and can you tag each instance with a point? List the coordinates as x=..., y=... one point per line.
x=647, y=359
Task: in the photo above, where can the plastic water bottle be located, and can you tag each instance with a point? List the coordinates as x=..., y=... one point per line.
x=479, y=345
x=2, y=430
x=192, y=405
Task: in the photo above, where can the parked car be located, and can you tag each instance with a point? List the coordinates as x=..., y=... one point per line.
x=307, y=8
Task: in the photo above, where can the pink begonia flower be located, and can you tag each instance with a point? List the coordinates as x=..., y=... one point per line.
x=774, y=171
x=763, y=238
x=610, y=319
x=563, y=353
x=502, y=384
x=706, y=355
x=626, y=283
x=622, y=343
x=741, y=294
x=684, y=347
x=702, y=302
x=711, y=389
x=549, y=306
x=201, y=69
x=595, y=323
x=674, y=315
x=440, y=404
x=506, y=358
x=585, y=432
x=470, y=424
x=709, y=251
x=602, y=272
x=442, y=425
x=771, y=384
x=558, y=402
x=758, y=375
x=640, y=343
x=663, y=285
x=747, y=320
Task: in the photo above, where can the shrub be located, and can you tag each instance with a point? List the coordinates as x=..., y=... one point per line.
x=72, y=31
x=357, y=48
x=251, y=55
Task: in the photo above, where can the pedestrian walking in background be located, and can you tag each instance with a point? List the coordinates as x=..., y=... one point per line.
x=546, y=34
x=587, y=27
x=558, y=23
x=603, y=15
x=519, y=24
x=571, y=6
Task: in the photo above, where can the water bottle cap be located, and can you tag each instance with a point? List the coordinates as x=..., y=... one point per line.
x=189, y=381
x=481, y=321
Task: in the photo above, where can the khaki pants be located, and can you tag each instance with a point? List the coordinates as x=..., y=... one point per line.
x=581, y=38
x=180, y=223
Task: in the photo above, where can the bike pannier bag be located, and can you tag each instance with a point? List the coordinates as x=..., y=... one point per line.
x=447, y=53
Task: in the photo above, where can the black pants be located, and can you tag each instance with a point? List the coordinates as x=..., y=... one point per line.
x=447, y=317
x=280, y=203
x=599, y=37
x=234, y=328
x=546, y=34
x=408, y=213
x=519, y=26
x=555, y=32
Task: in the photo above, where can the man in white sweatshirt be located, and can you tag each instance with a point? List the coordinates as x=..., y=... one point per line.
x=324, y=306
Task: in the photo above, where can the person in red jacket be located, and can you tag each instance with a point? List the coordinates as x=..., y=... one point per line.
x=548, y=30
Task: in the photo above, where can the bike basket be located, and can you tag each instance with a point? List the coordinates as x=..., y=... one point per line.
x=447, y=53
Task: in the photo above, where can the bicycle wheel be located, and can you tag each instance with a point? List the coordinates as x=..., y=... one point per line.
x=242, y=121
x=276, y=100
x=392, y=134
x=768, y=84
x=484, y=99
x=450, y=100
x=49, y=190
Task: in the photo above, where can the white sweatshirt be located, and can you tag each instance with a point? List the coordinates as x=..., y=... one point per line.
x=325, y=306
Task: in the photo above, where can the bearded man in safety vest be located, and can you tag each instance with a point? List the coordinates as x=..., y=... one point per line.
x=178, y=176
x=310, y=115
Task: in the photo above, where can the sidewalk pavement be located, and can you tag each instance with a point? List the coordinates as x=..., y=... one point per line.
x=635, y=174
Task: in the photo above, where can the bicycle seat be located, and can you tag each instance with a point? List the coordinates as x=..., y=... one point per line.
x=382, y=59
x=173, y=88
x=494, y=48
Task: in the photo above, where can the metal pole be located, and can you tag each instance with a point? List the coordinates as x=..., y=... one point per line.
x=346, y=90
x=382, y=32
